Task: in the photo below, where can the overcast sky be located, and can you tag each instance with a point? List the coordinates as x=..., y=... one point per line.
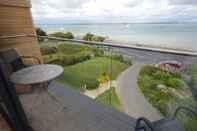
x=116, y=10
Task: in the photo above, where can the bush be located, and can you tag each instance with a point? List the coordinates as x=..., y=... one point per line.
x=92, y=84
x=192, y=71
x=194, y=81
x=149, y=79
x=104, y=78
x=188, y=120
x=88, y=37
x=62, y=48
x=76, y=58
x=120, y=58
x=67, y=35
x=148, y=70
x=66, y=48
x=98, y=38
x=40, y=32
x=92, y=37
x=174, y=82
x=45, y=50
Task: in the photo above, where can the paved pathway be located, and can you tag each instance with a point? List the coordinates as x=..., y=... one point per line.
x=133, y=100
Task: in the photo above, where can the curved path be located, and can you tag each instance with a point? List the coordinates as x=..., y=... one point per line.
x=133, y=100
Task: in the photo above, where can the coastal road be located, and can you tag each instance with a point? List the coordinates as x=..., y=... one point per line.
x=133, y=100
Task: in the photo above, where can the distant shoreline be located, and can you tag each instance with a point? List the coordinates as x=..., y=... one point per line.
x=137, y=46
x=147, y=46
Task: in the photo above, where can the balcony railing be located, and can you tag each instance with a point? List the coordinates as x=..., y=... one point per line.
x=135, y=80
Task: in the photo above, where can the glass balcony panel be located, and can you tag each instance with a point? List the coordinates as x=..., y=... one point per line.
x=137, y=82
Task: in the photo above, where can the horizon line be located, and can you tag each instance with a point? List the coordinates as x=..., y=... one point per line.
x=64, y=23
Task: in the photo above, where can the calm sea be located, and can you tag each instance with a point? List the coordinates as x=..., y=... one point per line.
x=180, y=36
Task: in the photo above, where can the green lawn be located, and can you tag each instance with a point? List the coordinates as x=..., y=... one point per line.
x=111, y=99
x=87, y=72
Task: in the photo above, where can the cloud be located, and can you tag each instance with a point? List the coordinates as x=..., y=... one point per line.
x=66, y=3
x=183, y=2
x=116, y=10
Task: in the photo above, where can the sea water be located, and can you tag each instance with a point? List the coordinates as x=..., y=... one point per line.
x=166, y=35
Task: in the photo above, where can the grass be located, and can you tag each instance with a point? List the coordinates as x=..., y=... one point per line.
x=192, y=71
x=84, y=65
x=87, y=72
x=110, y=98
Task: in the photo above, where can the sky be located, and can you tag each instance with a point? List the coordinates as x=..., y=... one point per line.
x=130, y=11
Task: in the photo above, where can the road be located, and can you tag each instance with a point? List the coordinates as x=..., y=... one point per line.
x=133, y=100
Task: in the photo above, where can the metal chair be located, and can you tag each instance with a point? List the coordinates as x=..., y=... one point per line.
x=11, y=57
x=15, y=115
x=166, y=124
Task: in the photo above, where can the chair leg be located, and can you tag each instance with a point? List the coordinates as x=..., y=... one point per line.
x=7, y=119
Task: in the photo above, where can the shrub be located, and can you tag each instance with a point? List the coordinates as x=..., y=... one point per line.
x=57, y=62
x=76, y=58
x=194, y=81
x=92, y=37
x=174, y=82
x=105, y=77
x=188, y=120
x=98, y=38
x=92, y=84
x=192, y=71
x=66, y=48
x=62, y=48
x=82, y=56
x=148, y=70
x=88, y=37
x=159, y=74
x=149, y=79
x=45, y=50
x=40, y=32
x=192, y=68
x=67, y=35
x=120, y=58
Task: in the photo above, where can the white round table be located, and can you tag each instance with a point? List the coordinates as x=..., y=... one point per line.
x=36, y=74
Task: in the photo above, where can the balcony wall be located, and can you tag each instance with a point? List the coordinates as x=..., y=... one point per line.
x=16, y=20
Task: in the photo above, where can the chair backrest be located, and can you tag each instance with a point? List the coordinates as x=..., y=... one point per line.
x=12, y=103
x=12, y=58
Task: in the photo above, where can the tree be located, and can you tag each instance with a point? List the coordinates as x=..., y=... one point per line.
x=92, y=37
x=40, y=32
x=88, y=37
